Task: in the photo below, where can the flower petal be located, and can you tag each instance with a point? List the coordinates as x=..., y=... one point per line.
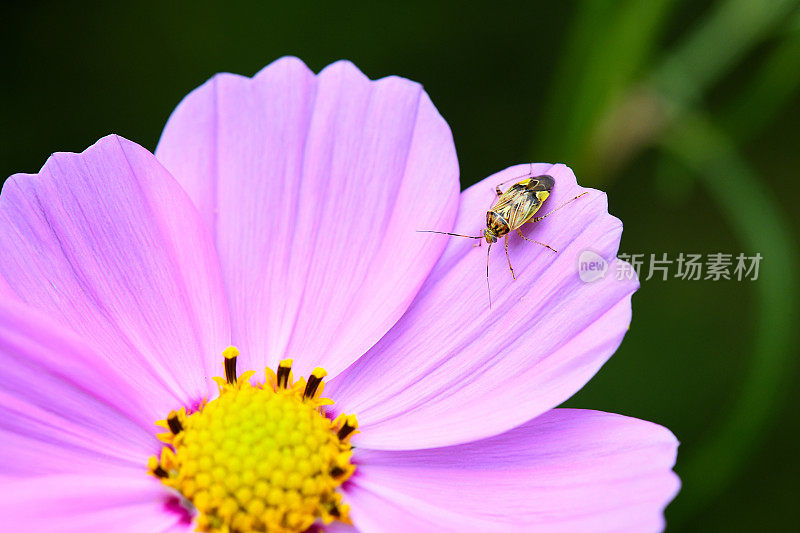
x=63, y=407
x=107, y=243
x=313, y=187
x=568, y=470
x=79, y=503
x=336, y=527
x=453, y=370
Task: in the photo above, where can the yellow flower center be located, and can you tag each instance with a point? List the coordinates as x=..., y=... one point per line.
x=259, y=458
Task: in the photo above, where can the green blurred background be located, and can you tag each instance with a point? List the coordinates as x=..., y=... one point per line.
x=687, y=113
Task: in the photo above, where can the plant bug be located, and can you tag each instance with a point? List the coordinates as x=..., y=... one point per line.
x=514, y=207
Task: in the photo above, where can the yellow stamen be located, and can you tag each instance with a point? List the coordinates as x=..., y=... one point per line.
x=284, y=376
x=259, y=458
x=230, y=353
x=315, y=386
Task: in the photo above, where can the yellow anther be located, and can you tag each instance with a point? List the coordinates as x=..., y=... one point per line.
x=314, y=386
x=347, y=426
x=284, y=376
x=156, y=469
x=230, y=352
x=259, y=458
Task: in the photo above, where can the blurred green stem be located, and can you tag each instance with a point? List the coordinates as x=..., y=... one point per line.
x=766, y=91
x=758, y=222
x=601, y=133
x=606, y=32
x=716, y=45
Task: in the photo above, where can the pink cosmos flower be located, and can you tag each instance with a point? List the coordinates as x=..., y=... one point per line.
x=279, y=214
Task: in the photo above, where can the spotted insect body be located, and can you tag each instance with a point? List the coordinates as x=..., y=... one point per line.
x=514, y=207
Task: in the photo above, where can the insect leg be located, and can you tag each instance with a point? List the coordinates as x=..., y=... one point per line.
x=509, y=259
x=530, y=173
x=537, y=219
x=519, y=232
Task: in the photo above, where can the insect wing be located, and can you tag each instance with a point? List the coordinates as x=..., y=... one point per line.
x=519, y=205
x=507, y=200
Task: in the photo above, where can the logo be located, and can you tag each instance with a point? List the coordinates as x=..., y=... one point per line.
x=591, y=266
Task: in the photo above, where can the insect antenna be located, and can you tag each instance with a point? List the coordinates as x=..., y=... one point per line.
x=537, y=219
x=488, y=288
x=446, y=233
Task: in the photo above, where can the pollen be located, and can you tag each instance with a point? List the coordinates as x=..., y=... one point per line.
x=259, y=457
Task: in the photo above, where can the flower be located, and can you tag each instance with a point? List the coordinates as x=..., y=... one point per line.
x=279, y=215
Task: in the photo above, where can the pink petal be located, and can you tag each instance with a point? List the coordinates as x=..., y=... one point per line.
x=568, y=470
x=107, y=243
x=337, y=527
x=80, y=503
x=313, y=187
x=65, y=408
x=452, y=370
